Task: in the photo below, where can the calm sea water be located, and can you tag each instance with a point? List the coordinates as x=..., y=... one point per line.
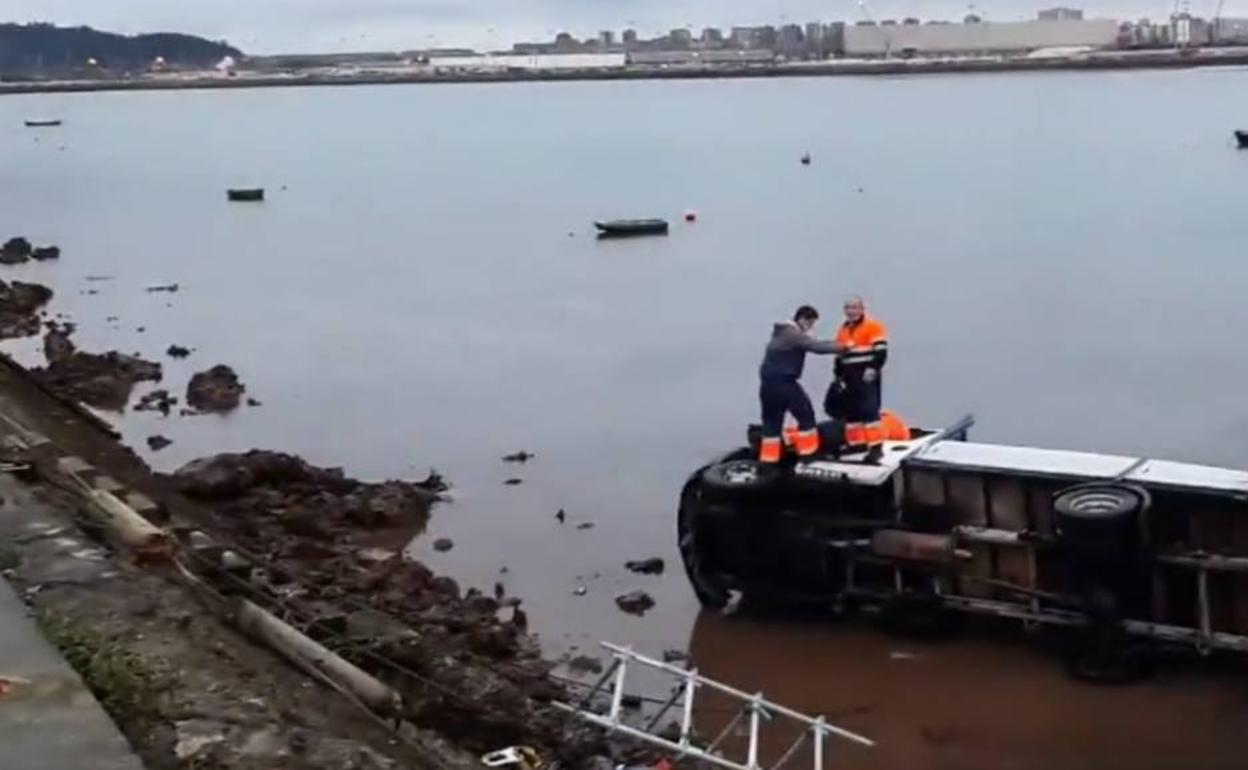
x=1061, y=254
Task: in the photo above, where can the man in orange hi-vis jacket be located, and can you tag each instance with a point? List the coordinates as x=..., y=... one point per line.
x=858, y=371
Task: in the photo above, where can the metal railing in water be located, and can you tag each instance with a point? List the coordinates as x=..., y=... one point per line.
x=754, y=710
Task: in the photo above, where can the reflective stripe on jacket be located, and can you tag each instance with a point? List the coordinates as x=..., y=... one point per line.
x=867, y=348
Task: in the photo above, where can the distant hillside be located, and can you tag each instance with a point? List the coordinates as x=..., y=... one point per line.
x=44, y=49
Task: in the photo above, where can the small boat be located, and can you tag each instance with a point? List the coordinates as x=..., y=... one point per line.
x=246, y=194
x=1242, y=138
x=617, y=228
x=45, y=123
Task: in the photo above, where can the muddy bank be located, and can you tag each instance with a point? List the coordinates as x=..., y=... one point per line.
x=485, y=683
x=102, y=380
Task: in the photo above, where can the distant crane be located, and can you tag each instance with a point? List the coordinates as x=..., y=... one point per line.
x=1217, y=22
x=888, y=39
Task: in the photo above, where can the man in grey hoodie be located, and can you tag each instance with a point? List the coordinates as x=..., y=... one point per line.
x=780, y=391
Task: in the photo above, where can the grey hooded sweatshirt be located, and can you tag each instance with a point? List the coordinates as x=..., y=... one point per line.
x=786, y=352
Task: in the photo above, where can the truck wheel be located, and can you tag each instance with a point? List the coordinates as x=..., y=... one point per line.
x=737, y=479
x=1100, y=519
x=709, y=589
x=1099, y=502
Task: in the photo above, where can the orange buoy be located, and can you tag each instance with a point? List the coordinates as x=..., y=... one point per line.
x=691, y=216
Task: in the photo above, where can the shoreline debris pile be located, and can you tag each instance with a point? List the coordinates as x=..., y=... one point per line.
x=486, y=682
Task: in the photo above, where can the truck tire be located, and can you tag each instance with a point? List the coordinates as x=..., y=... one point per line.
x=1100, y=519
x=739, y=479
x=708, y=587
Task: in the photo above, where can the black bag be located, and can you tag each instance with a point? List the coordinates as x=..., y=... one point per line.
x=834, y=403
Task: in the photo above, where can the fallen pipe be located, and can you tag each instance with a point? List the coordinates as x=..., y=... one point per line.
x=310, y=656
x=149, y=542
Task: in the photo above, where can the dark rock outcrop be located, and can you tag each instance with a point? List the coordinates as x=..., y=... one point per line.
x=102, y=380
x=215, y=390
x=635, y=603
x=15, y=251
x=652, y=566
x=20, y=303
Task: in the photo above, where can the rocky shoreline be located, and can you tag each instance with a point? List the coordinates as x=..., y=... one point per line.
x=330, y=547
x=313, y=533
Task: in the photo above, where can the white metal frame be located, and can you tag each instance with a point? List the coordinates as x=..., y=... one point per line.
x=753, y=708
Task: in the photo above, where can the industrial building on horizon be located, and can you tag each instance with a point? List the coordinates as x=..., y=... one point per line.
x=1058, y=31
x=1058, y=27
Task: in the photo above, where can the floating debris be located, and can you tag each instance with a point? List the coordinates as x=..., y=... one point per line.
x=157, y=442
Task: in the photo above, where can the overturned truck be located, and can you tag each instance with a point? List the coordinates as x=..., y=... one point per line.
x=1126, y=554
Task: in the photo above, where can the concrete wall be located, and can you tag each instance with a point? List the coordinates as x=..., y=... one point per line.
x=535, y=62
x=980, y=37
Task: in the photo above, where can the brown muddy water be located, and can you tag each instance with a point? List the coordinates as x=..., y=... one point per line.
x=1060, y=253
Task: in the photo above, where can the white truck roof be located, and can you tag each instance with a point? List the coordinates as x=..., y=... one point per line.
x=1057, y=463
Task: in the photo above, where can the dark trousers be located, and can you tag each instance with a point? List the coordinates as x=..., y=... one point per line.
x=862, y=401
x=780, y=396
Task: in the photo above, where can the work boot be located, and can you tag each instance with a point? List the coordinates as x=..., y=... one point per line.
x=874, y=455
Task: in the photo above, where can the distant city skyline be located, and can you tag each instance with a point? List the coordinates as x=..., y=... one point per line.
x=326, y=26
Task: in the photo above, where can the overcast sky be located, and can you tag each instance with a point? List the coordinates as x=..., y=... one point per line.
x=271, y=26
